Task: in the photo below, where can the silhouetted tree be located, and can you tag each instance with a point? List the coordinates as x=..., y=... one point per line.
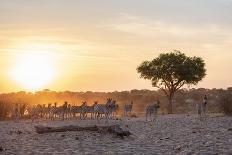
x=170, y=71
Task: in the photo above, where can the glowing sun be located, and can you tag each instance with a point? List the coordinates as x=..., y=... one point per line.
x=33, y=70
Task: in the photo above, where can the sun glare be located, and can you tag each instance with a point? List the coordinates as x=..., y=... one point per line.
x=33, y=70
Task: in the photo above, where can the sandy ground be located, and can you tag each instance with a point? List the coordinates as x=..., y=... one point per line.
x=169, y=134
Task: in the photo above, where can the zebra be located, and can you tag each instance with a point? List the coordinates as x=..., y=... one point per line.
x=108, y=110
x=201, y=108
x=90, y=110
x=94, y=110
x=128, y=109
x=82, y=110
x=54, y=111
x=60, y=112
x=64, y=110
x=17, y=112
x=112, y=108
x=204, y=104
x=102, y=109
x=152, y=109
x=46, y=111
x=35, y=112
x=22, y=109
x=69, y=111
x=83, y=114
x=76, y=110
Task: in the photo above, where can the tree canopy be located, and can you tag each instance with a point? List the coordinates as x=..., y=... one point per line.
x=170, y=71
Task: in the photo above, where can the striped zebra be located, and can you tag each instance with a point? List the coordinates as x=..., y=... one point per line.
x=35, y=112
x=81, y=110
x=59, y=111
x=68, y=111
x=55, y=111
x=112, y=108
x=76, y=110
x=46, y=111
x=152, y=109
x=128, y=109
x=83, y=114
x=90, y=110
x=107, y=110
x=204, y=105
x=100, y=110
x=201, y=108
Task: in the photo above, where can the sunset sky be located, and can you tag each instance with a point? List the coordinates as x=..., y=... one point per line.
x=82, y=45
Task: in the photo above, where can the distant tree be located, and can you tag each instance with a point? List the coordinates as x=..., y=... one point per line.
x=170, y=71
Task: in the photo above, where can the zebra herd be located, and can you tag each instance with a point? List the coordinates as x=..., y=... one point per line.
x=106, y=110
x=97, y=111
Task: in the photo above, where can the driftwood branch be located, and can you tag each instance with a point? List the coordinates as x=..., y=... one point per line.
x=114, y=129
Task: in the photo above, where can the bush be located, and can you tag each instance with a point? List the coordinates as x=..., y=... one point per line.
x=227, y=103
x=3, y=110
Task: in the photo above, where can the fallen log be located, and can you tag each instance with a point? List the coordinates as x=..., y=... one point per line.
x=113, y=129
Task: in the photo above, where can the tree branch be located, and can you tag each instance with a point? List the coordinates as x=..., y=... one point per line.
x=165, y=92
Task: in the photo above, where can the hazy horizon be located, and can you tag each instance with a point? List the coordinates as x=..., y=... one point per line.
x=97, y=45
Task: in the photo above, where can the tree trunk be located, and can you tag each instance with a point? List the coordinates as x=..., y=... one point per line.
x=170, y=104
x=170, y=95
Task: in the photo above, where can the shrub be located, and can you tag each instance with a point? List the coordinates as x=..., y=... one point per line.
x=3, y=110
x=226, y=101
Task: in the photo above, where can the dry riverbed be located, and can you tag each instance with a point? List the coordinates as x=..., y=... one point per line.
x=169, y=134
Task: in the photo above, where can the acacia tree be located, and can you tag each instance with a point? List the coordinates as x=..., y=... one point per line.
x=170, y=71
